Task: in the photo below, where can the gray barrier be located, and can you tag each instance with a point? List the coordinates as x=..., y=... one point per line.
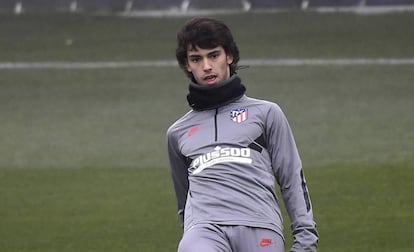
x=142, y=5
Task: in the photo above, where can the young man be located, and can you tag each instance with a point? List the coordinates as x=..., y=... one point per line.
x=228, y=153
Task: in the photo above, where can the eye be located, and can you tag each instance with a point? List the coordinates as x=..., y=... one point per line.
x=214, y=55
x=194, y=59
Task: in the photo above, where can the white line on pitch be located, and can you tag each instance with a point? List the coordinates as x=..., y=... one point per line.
x=173, y=63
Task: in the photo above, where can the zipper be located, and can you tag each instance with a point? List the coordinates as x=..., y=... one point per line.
x=215, y=125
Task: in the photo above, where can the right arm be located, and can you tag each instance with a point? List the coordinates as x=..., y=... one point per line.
x=179, y=173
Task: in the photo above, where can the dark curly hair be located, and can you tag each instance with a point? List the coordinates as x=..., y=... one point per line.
x=205, y=33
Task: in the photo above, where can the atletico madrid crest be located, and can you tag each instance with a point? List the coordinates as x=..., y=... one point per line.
x=238, y=115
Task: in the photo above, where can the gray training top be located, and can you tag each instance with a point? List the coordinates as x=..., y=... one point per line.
x=225, y=162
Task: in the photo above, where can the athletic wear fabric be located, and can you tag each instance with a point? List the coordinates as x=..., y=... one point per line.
x=226, y=157
x=210, y=237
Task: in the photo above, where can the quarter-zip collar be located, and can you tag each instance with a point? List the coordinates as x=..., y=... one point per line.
x=202, y=97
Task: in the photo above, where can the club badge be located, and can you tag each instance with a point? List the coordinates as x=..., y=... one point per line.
x=238, y=115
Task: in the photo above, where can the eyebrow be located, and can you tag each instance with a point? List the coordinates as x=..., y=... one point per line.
x=194, y=56
x=208, y=54
x=214, y=52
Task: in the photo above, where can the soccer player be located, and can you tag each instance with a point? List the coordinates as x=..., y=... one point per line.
x=227, y=154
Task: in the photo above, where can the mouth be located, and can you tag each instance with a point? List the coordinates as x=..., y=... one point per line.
x=210, y=79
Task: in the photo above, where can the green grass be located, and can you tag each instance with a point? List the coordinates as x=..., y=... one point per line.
x=364, y=208
x=87, y=210
x=118, y=118
x=83, y=159
x=108, y=119
x=343, y=115
x=358, y=208
x=35, y=37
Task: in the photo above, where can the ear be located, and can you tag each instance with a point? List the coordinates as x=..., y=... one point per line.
x=188, y=67
x=229, y=59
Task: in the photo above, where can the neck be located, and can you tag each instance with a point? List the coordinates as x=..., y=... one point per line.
x=211, y=97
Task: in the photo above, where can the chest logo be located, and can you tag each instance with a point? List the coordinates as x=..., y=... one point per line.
x=193, y=130
x=221, y=155
x=239, y=115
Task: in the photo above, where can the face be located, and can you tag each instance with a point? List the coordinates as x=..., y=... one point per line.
x=208, y=66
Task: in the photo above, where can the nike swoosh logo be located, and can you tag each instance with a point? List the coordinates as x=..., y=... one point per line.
x=265, y=242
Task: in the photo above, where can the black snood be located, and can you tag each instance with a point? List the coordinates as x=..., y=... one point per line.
x=203, y=97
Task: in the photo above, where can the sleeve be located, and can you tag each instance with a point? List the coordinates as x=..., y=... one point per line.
x=179, y=173
x=288, y=171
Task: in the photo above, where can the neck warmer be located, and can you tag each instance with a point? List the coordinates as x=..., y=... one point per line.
x=203, y=97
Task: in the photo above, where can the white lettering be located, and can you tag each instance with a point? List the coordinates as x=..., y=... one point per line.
x=221, y=155
x=235, y=152
x=245, y=152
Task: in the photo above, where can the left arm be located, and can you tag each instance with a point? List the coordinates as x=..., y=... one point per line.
x=287, y=167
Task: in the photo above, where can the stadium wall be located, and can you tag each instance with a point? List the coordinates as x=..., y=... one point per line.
x=19, y=6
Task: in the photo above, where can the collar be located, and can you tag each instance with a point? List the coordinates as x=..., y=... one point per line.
x=202, y=97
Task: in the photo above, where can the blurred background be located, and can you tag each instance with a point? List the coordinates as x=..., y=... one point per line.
x=185, y=5
x=88, y=89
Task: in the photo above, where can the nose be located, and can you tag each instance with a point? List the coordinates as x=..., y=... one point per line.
x=206, y=65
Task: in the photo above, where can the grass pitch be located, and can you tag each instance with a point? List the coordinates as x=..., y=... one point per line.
x=83, y=159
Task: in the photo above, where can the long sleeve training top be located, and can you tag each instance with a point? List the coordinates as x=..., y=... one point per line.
x=225, y=163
